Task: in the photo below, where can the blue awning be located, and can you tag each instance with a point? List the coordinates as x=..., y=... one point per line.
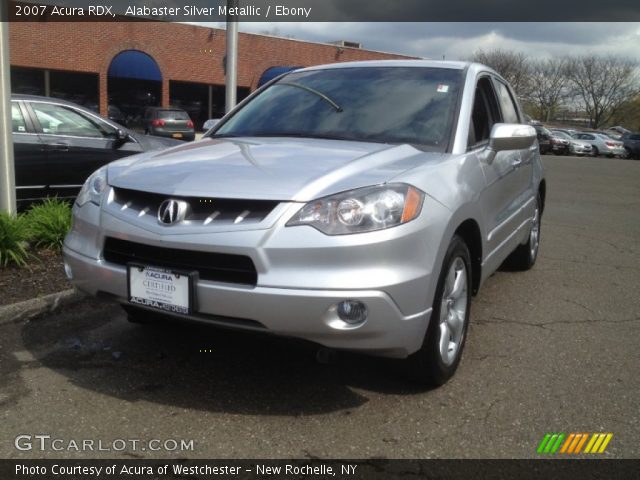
x=134, y=64
x=273, y=72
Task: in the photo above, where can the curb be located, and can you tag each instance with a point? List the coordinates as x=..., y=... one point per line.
x=36, y=306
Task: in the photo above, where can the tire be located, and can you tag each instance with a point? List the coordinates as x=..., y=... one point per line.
x=438, y=358
x=595, y=151
x=524, y=256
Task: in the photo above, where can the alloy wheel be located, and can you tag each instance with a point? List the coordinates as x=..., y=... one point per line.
x=534, y=236
x=453, y=311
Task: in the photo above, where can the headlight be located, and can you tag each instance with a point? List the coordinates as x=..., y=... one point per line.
x=93, y=188
x=362, y=210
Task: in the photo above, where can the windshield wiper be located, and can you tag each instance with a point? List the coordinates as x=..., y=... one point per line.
x=315, y=92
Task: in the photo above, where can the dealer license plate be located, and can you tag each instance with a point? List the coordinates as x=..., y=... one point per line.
x=161, y=288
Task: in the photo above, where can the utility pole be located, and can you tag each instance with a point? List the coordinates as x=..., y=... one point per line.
x=7, y=171
x=231, y=83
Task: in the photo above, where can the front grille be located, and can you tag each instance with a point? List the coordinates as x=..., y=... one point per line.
x=214, y=211
x=219, y=267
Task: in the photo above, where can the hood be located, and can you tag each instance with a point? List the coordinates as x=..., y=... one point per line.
x=265, y=168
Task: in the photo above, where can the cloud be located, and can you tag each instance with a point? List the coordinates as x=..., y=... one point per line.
x=457, y=40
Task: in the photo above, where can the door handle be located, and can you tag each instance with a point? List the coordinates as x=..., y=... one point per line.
x=59, y=147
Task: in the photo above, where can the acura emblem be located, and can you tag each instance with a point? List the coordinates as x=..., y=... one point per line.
x=172, y=211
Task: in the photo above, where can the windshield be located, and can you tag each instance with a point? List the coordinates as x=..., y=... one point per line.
x=395, y=105
x=560, y=134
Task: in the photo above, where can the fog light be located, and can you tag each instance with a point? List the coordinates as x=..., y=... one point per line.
x=352, y=311
x=67, y=270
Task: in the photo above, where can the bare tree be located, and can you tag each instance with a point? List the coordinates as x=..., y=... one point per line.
x=513, y=66
x=603, y=85
x=548, y=86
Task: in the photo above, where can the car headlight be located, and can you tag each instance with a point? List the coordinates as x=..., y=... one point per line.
x=93, y=188
x=362, y=210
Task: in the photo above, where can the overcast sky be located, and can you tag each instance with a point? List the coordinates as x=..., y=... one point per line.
x=459, y=40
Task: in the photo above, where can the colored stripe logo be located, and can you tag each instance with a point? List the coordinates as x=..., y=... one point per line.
x=573, y=443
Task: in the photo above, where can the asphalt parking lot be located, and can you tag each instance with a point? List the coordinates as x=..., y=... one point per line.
x=554, y=349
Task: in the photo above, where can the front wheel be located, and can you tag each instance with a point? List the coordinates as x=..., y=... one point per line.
x=439, y=356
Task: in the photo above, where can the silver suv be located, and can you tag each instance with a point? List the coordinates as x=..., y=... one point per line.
x=357, y=205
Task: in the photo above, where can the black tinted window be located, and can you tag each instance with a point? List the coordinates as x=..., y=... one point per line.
x=392, y=105
x=485, y=113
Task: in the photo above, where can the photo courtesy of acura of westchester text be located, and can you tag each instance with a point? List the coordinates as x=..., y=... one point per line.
x=353, y=240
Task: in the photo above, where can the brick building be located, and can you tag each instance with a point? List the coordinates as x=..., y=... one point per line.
x=134, y=64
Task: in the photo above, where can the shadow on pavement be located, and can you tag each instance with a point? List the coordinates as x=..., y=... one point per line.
x=200, y=367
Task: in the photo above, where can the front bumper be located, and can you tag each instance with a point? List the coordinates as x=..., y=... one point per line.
x=306, y=314
x=300, y=280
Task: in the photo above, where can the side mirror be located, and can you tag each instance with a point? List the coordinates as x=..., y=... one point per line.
x=511, y=136
x=121, y=137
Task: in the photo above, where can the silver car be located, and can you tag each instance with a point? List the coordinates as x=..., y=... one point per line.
x=358, y=206
x=602, y=144
x=576, y=147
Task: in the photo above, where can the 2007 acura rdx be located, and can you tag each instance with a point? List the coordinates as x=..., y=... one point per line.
x=356, y=205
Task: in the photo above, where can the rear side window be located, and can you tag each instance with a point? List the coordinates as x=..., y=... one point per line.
x=173, y=115
x=507, y=105
x=17, y=120
x=634, y=137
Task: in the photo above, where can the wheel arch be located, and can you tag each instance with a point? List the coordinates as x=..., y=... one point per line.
x=542, y=190
x=469, y=231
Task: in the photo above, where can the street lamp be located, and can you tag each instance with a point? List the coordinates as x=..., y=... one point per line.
x=231, y=56
x=7, y=171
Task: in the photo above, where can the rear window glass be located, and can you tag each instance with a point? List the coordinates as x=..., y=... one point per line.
x=173, y=115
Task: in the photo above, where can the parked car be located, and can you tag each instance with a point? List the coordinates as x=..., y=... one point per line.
x=631, y=142
x=58, y=144
x=619, y=130
x=559, y=145
x=576, y=147
x=544, y=139
x=168, y=122
x=568, y=131
x=116, y=115
x=363, y=219
x=601, y=144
